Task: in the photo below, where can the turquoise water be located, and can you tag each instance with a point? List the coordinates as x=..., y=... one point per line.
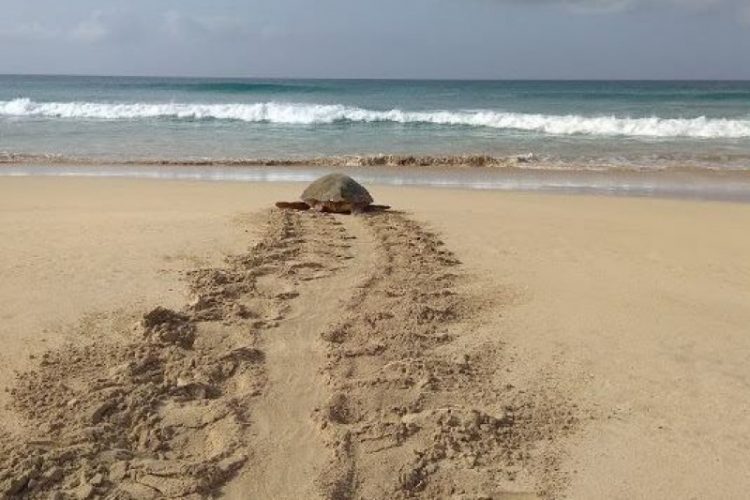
x=568, y=124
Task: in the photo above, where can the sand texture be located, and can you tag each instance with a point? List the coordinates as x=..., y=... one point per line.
x=184, y=340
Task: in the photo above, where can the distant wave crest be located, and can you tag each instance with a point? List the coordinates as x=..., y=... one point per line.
x=230, y=87
x=309, y=114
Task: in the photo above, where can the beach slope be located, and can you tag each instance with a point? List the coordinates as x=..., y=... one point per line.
x=469, y=343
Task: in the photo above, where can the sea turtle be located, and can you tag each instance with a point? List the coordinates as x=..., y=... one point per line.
x=337, y=193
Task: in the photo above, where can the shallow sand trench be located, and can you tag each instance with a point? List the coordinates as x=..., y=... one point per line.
x=287, y=444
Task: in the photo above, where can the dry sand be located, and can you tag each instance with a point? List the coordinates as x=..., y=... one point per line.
x=472, y=345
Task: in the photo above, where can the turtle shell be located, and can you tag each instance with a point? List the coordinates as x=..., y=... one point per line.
x=336, y=188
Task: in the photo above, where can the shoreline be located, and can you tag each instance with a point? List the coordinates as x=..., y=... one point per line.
x=680, y=183
x=523, y=161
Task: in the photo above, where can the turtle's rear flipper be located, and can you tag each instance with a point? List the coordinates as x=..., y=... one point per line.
x=377, y=208
x=293, y=205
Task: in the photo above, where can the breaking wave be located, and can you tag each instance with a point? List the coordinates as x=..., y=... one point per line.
x=310, y=114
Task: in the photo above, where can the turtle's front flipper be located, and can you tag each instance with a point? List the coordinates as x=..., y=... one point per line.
x=293, y=205
x=377, y=208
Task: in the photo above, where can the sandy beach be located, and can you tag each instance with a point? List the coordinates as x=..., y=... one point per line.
x=183, y=340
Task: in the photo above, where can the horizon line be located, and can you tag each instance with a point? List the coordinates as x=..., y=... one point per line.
x=393, y=79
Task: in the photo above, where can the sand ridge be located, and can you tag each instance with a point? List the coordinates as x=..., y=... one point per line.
x=161, y=413
x=414, y=413
x=287, y=446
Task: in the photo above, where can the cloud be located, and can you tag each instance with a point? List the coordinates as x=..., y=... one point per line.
x=624, y=5
x=745, y=14
x=605, y=4
x=110, y=26
x=91, y=30
x=185, y=27
x=29, y=32
x=740, y=9
x=599, y=5
x=98, y=27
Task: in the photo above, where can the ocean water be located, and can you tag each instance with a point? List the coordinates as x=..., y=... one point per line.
x=566, y=124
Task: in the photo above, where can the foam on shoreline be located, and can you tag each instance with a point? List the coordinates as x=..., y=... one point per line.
x=526, y=161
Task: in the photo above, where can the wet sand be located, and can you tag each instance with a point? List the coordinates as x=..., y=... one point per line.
x=677, y=182
x=472, y=343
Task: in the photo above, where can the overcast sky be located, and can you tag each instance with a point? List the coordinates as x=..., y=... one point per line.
x=379, y=38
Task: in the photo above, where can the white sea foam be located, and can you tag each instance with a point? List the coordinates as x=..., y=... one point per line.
x=308, y=114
